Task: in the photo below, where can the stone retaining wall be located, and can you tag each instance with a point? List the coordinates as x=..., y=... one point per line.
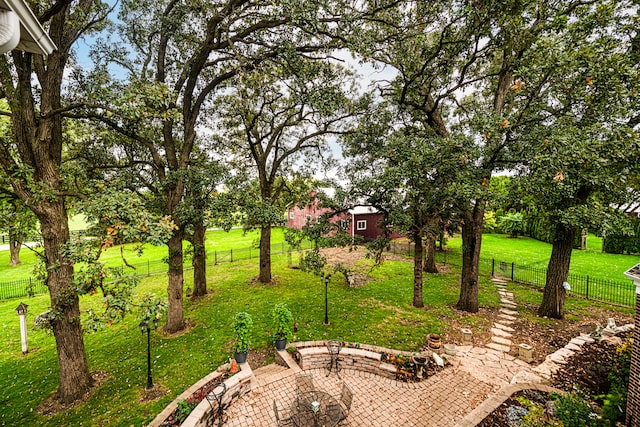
x=237, y=386
x=366, y=358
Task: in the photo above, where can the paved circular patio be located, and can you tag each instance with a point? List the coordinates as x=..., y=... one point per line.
x=441, y=400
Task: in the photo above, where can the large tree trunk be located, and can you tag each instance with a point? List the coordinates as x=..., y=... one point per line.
x=15, y=244
x=265, y=255
x=557, y=273
x=417, y=272
x=74, y=377
x=199, y=262
x=175, y=311
x=471, y=241
x=32, y=86
x=430, y=254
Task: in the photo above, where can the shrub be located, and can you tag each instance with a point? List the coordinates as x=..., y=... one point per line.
x=242, y=326
x=512, y=223
x=282, y=319
x=574, y=410
x=614, y=403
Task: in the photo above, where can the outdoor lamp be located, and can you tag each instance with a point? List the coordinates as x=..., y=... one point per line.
x=326, y=278
x=144, y=326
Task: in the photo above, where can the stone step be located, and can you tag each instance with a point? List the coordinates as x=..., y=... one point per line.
x=269, y=370
x=503, y=327
x=509, y=312
x=500, y=332
x=499, y=347
x=501, y=340
x=507, y=317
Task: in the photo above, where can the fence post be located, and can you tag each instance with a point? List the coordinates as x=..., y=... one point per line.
x=493, y=266
x=512, y=265
x=231, y=251
x=587, y=287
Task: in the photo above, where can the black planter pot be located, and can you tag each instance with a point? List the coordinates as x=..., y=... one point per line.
x=281, y=344
x=240, y=357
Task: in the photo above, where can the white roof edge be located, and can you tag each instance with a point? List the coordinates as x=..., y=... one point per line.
x=363, y=210
x=42, y=43
x=633, y=273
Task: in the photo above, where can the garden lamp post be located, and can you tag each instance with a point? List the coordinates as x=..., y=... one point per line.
x=145, y=326
x=326, y=278
x=22, y=312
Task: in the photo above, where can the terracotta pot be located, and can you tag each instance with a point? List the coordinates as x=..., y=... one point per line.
x=434, y=341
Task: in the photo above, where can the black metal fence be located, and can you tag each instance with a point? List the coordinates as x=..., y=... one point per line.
x=30, y=287
x=21, y=288
x=619, y=292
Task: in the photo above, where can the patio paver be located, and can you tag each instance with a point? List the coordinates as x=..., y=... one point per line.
x=441, y=400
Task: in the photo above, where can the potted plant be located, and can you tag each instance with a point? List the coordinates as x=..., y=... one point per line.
x=282, y=320
x=242, y=326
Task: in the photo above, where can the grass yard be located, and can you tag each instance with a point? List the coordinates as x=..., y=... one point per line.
x=530, y=252
x=217, y=240
x=378, y=313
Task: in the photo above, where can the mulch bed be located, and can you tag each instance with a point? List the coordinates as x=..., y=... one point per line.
x=586, y=371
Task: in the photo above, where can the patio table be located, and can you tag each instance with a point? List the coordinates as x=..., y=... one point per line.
x=315, y=409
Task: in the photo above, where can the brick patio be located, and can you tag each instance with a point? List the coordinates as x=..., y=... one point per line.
x=441, y=400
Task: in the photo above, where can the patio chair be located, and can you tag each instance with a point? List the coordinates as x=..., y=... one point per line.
x=284, y=421
x=346, y=398
x=333, y=347
x=214, y=395
x=304, y=383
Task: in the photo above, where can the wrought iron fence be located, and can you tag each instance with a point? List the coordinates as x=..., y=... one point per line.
x=619, y=292
x=30, y=287
x=21, y=288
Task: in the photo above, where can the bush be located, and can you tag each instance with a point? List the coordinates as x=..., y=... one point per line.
x=282, y=319
x=575, y=411
x=620, y=242
x=512, y=223
x=242, y=326
x=614, y=403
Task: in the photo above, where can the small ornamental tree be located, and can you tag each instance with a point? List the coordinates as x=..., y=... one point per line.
x=282, y=321
x=242, y=327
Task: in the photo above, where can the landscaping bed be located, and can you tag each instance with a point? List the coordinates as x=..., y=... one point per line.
x=592, y=378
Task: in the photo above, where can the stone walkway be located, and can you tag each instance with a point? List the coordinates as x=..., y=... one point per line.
x=452, y=397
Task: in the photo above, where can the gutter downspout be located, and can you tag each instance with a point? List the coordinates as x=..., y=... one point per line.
x=9, y=30
x=43, y=43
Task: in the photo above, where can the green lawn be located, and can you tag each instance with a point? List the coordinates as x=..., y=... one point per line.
x=533, y=253
x=378, y=313
x=216, y=240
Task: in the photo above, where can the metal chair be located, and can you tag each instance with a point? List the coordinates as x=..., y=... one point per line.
x=333, y=347
x=304, y=383
x=281, y=422
x=214, y=395
x=346, y=398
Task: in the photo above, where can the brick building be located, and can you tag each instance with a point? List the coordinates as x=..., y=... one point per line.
x=358, y=221
x=633, y=398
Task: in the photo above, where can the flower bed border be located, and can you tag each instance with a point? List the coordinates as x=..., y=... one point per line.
x=237, y=385
x=474, y=417
x=357, y=357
